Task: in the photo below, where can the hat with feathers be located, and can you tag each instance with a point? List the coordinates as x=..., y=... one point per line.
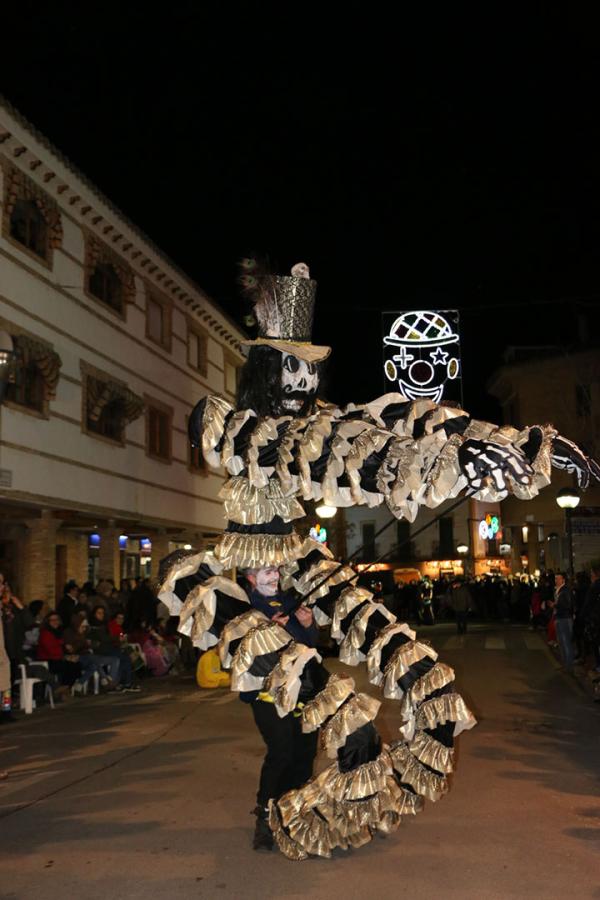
x=283, y=308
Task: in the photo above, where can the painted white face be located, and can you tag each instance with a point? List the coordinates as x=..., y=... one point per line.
x=299, y=380
x=267, y=581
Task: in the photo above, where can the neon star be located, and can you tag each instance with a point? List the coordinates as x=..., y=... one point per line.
x=438, y=357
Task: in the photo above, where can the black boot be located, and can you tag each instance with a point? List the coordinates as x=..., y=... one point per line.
x=263, y=836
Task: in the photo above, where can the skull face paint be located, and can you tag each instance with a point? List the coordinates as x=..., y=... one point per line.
x=299, y=382
x=422, y=354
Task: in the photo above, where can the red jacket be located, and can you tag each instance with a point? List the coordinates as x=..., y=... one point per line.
x=49, y=646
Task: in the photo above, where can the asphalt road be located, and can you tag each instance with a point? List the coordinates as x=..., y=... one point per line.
x=148, y=796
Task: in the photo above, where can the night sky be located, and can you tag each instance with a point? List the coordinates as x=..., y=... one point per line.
x=447, y=162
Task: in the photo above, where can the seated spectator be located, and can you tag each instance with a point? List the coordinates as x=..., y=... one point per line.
x=116, y=629
x=104, y=644
x=209, y=673
x=51, y=649
x=38, y=610
x=150, y=641
x=77, y=643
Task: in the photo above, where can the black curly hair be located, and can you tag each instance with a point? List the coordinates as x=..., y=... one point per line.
x=260, y=384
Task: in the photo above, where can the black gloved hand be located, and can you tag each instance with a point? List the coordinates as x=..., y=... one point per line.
x=479, y=460
x=568, y=456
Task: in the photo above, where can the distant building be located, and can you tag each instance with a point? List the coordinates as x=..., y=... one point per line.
x=540, y=385
x=115, y=345
x=434, y=551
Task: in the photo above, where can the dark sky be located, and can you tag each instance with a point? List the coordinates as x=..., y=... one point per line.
x=449, y=162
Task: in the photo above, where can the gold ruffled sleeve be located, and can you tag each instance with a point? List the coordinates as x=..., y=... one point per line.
x=216, y=413
x=236, y=629
x=350, y=652
x=351, y=716
x=336, y=691
x=425, y=783
x=347, y=601
x=185, y=563
x=249, y=505
x=447, y=708
x=265, y=638
x=399, y=664
x=381, y=641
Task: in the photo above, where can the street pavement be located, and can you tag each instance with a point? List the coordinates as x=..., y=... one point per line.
x=148, y=796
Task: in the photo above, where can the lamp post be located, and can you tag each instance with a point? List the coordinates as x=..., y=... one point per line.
x=568, y=499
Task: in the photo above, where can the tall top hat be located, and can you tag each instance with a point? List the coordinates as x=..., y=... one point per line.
x=284, y=307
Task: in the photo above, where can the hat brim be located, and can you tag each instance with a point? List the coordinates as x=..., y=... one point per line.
x=310, y=353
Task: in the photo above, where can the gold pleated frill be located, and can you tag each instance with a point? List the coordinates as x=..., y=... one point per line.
x=283, y=681
x=267, y=637
x=399, y=664
x=198, y=612
x=257, y=551
x=356, y=712
x=236, y=629
x=327, y=701
x=431, y=753
x=249, y=505
x=447, y=708
x=185, y=563
x=350, y=652
x=425, y=783
x=382, y=640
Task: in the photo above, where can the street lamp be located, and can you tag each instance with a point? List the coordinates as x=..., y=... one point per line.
x=326, y=512
x=568, y=499
x=7, y=359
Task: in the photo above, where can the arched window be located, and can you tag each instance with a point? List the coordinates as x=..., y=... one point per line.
x=105, y=284
x=28, y=227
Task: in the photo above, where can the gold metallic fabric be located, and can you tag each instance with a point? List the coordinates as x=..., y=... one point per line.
x=355, y=713
x=346, y=602
x=256, y=551
x=283, y=682
x=399, y=664
x=426, y=784
x=431, y=753
x=447, y=708
x=236, y=629
x=265, y=638
x=327, y=701
x=249, y=505
x=382, y=640
x=350, y=654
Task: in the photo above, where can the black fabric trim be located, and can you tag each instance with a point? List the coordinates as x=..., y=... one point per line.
x=275, y=526
x=221, y=441
x=347, y=621
x=375, y=623
x=317, y=468
x=443, y=733
x=397, y=640
x=242, y=438
x=313, y=679
x=305, y=562
x=326, y=603
x=227, y=608
x=371, y=466
x=267, y=455
x=362, y=746
x=263, y=665
x=184, y=585
x=457, y=425
x=390, y=414
x=415, y=672
x=195, y=426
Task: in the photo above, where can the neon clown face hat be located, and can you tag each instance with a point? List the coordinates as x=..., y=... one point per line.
x=284, y=308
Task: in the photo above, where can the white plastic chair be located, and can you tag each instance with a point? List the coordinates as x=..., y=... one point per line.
x=26, y=685
x=95, y=677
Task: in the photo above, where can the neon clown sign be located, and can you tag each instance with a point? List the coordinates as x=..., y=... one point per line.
x=421, y=352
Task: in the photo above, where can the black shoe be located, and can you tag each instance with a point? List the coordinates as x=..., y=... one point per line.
x=263, y=836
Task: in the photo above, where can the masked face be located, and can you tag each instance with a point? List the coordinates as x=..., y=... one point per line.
x=266, y=581
x=299, y=382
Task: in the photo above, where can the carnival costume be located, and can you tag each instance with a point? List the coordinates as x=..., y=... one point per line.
x=405, y=453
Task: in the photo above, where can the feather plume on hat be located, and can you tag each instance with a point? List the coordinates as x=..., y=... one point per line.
x=258, y=284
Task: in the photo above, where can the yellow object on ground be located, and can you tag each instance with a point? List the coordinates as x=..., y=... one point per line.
x=209, y=673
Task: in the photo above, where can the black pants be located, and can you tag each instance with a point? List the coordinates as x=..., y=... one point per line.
x=290, y=753
x=462, y=617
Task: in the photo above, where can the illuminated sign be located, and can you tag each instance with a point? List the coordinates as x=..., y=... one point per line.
x=489, y=528
x=421, y=354
x=318, y=533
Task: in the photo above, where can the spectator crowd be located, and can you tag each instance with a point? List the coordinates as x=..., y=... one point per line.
x=101, y=634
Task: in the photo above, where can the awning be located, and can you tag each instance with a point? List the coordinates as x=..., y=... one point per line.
x=46, y=360
x=101, y=393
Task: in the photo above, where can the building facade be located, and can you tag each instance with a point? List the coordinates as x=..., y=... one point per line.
x=540, y=385
x=114, y=346
x=441, y=542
